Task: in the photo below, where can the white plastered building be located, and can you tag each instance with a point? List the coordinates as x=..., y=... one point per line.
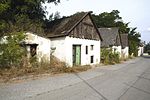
x=76, y=40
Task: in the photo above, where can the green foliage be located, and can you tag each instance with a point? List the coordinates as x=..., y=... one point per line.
x=147, y=48
x=109, y=57
x=114, y=57
x=123, y=27
x=22, y=15
x=111, y=19
x=148, y=51
x=11, y=52
x=105, y=55
x=134, y=42
x=106, y=19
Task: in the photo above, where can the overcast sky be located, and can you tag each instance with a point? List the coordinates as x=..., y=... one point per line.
x=135, y=11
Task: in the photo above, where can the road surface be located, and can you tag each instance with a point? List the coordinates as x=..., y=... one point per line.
x=127, y=81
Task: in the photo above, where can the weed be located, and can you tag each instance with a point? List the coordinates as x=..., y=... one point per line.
x=33, y=69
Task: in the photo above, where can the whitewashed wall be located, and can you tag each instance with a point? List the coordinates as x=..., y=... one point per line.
x=64, y=46
x=140, y=51
x=125, y=52
x=43, y=48
x=59, y=45
x=117, y=49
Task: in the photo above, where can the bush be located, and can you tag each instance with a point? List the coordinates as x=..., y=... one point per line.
x=109, y=57
x=105, y=55
x=148, y=51
x=133, y=48
x=11, y=52
x=114, y=57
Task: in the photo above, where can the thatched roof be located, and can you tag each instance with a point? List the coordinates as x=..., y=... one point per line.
x=63, y=26
x=110, y=37
x=60, y=27
x=124, y=40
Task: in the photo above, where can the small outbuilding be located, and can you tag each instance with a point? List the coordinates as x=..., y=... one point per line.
x=38, y=46
x=141, y=49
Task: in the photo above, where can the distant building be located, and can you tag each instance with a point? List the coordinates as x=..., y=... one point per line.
x=111, y=39
x=141, y=49
x=125, y=45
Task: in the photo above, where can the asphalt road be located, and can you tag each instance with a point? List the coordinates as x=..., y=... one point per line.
x=127, y=81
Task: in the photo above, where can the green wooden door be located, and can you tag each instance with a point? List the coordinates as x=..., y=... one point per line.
x=76, y=54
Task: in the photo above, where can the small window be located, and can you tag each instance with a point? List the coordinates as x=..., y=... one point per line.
x=86, y=49
x=92, y=59
x=92, y=47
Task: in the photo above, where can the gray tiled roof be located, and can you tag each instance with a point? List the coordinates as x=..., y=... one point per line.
x=110, y=37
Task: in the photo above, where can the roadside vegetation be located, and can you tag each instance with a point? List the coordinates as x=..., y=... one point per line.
x=11, y=51
x=147, y=48
x=35, y=69
x=109, y=57
x=148, y=52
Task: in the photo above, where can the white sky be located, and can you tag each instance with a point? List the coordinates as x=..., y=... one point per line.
x=135, y=11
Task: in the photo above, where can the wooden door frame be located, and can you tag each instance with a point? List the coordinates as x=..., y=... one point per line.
x=74, y=45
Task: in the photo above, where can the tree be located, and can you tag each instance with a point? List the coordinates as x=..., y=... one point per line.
x=123, y=27
x=57, y=15
x=147, y=48
x=23, y=15
x=106, y=19
x=134, y=41
x=111, y=19
x=10, y=50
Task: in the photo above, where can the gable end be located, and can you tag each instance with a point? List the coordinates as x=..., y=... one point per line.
x=85, y=29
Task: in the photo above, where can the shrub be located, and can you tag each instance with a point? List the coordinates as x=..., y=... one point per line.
x=11, y=52
x=105, y=55
x=114, y=57
x=148, y=51
x=109, y=57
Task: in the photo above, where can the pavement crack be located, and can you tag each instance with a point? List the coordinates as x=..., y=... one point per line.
x=144, y=78
x=137, y=88
x=92, y=87
x=130, y=86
